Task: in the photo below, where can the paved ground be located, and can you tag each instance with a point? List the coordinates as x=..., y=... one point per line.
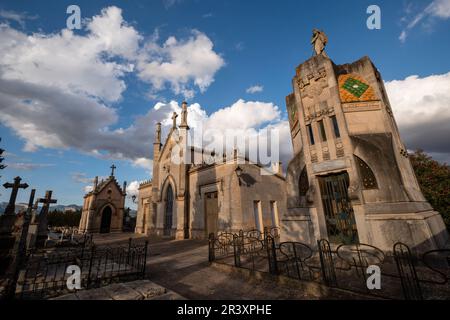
x=135, y=290
x=182, y=266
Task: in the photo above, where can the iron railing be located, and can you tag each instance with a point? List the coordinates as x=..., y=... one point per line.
x=403, y=274
x=45, y=274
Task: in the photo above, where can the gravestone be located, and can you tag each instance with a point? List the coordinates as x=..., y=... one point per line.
x=7, y=239
x=42, y=232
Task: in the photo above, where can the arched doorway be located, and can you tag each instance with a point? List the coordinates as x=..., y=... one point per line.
x=168, y=213
x=339, y=216
x=105, y=225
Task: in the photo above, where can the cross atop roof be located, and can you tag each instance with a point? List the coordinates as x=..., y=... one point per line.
x=113, y=167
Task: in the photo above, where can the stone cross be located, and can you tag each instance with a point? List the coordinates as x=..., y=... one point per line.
x=15, y=188
x=42, y=229
x=19, y=252
x=174, y=119
x=113, y=167
x=26, y=224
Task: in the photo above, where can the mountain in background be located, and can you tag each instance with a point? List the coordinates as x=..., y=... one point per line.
x=59, y=207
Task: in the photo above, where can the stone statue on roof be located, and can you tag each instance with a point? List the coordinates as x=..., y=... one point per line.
x=319, y=41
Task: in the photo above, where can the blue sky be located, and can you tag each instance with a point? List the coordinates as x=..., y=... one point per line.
x=248, y=43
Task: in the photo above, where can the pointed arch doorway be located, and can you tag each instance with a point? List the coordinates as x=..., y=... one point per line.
x=105, y=225
x=168, y=212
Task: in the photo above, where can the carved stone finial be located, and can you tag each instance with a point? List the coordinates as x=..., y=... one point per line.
x=184, y=115
x=158, y=133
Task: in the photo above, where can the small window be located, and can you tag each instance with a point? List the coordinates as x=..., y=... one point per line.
x=310, y=134
x=337, y=134
x=322, y=130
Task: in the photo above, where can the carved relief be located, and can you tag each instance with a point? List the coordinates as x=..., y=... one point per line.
x=325, y=153
x=318, y=114
x=339, y=150
x=313, y=84
x=313, y=156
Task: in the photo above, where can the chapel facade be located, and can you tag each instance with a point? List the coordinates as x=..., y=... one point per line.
x=350, y=179
x=192, y=200
x=103, y=207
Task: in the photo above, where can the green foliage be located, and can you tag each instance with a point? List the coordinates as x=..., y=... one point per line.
x=64, y=219
x=434, y=180
x=2, y=166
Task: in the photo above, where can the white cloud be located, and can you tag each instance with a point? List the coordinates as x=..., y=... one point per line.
x=244, y=119
x=243, y=115
x=113, y=33
x=132, y=188
x=170, y=3
x=81, y=177
x=255, y=89
x=422, y=109
x=20, y=18
x=28, y=165
x=437, y=9
x=178, y=63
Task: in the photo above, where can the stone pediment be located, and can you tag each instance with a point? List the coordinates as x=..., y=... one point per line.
x=111, y=182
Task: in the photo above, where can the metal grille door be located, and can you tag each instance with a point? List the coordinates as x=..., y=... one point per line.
x=341, y=225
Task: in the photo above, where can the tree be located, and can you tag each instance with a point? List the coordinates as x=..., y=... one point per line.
x=64, y=219
x=2, y=166
x=434, y=180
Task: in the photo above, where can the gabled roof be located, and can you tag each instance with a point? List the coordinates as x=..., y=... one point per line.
x=103, y=184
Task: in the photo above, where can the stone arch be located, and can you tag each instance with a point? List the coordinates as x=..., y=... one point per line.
x=303, y=182
x=106, y=216
x=168, y=186
x=168, y=180
x=293, y=173
x=369, y=148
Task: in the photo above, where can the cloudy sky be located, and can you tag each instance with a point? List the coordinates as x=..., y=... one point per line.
x=72, y=102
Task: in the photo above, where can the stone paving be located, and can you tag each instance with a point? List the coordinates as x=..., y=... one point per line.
x=135, y=290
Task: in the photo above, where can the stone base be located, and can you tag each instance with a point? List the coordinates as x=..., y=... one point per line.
x=422, y=231
x=6, y=247
x=296, y=225
x=177, y=234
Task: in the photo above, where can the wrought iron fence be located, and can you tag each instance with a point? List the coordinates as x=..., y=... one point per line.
x=403, y=275
x=45, y=274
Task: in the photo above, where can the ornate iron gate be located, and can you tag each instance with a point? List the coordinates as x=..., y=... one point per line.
x=341, y=225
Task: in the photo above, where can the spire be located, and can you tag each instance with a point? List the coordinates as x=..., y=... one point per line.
x=95, y=183
x=158, y=133
x=184, y=113
x=124, y=188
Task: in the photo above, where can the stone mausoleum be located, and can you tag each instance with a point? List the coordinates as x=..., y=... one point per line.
x=350, y=179
x=221, y=193
x=103, y=207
